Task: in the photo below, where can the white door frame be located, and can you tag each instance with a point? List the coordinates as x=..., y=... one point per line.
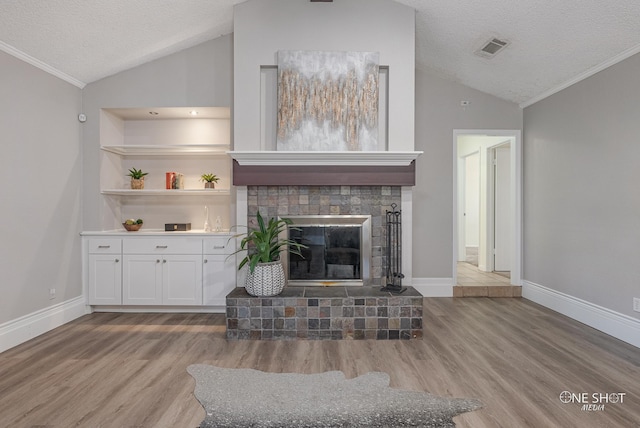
x=516, y=197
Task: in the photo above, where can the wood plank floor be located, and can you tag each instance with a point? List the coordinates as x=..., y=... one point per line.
x=129, y=370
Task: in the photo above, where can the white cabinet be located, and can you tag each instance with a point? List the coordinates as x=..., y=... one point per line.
x=142, y=279
x=162, y=280
x=182, y=280
x=219, y=269
x=105, y=271
x=162, y=271
x=158, y=269
x=105, y=279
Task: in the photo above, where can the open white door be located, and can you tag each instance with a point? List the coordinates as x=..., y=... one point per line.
x=502, y=209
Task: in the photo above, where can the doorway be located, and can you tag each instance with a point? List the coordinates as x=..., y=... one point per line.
x=487, y=210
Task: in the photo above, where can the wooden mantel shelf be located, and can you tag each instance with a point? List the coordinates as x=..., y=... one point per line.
x=324, y=158
x=324, y=175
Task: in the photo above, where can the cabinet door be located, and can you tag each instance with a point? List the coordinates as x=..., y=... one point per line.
x=182, y=279
x=142, y=279
x=105, y=279
x=219, y=279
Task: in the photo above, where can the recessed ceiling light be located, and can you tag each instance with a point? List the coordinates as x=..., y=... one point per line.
x=193, y=113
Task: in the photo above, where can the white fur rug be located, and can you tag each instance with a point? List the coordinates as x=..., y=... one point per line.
x=242, y=398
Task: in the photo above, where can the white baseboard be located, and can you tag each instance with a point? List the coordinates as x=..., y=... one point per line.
x=162, y=309
x=433, y=287
x=18, y=331
x=613, y=323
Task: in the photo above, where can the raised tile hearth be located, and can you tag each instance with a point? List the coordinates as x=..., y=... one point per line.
x=325, y=313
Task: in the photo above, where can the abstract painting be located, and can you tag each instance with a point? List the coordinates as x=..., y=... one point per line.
x=327, y=101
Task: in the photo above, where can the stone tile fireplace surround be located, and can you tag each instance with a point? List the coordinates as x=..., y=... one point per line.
x=358, y=312
x=282, y=201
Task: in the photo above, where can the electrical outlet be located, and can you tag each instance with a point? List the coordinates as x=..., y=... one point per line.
x=52, y=293
x=636, y=304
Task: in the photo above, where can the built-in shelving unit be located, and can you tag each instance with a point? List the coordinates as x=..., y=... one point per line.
x=157, y=141
x=155, y=268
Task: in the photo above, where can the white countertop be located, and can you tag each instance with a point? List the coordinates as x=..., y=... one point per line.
x=155, y=232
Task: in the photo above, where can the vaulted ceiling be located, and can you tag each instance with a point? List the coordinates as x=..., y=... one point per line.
x=551, y=43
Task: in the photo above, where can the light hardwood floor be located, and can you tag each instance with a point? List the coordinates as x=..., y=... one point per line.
x=129, y=370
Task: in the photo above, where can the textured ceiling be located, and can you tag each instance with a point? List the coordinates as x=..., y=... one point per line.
x=551, y=42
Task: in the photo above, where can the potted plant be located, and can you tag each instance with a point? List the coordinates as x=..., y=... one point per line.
x=210, y=180
x=137, y=178
x=265, y=276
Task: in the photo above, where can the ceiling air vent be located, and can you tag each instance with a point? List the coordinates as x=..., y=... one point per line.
x=491, y=48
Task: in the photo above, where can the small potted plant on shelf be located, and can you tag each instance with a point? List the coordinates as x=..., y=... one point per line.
x=263, y=245
x=209, y=180
x=137, y=178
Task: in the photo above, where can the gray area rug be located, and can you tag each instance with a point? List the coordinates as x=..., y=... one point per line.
x=241, y=398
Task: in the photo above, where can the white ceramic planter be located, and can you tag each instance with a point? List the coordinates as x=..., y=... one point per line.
x=266, y=280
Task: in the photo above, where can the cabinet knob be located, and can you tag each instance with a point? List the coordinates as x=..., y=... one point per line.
x=117, y=260
x=164, y=261
x=206, y=261
x=158, y=261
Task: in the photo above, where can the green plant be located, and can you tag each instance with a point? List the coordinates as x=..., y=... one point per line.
x=263, y=245
x=209, y=178
x=136, y=173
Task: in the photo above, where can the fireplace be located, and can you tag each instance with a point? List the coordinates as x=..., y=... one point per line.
x=337, y=253
x=313, y=204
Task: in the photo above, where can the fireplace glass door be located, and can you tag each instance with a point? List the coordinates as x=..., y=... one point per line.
x=334, y=254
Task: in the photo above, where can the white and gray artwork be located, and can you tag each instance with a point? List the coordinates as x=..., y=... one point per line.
x=327, y=101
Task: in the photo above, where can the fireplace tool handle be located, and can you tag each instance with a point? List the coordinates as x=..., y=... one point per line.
x=394, y=251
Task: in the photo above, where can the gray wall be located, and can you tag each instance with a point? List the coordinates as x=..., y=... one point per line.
x=197, y=77
x=581, y=189
x=438, y=113
x=40, y=172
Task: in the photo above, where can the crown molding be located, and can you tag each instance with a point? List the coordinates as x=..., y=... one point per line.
x=41, y=65
x=588, y=73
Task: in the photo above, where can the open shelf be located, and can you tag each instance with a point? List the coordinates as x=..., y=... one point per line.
x=166, y=192
x=164, y=150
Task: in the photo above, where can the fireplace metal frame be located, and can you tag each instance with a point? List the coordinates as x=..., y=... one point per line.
x=364, y=221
